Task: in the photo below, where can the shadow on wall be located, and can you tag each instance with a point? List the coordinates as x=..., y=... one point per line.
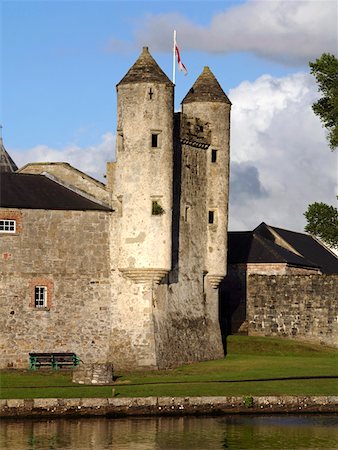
x=176, y=214
x=232, y=306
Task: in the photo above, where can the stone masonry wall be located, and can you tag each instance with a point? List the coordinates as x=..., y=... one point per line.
x=68, y=252
x=186, y=309
x=294, y=306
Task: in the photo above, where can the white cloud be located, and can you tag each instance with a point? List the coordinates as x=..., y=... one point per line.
x=289, y=31
x=280, y=158
x=91, y=160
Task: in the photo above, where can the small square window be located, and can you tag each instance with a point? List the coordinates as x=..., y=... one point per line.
x=154, y=140
x=211, y=217
x=213, y=155
x=40, y=297
x=7, y=226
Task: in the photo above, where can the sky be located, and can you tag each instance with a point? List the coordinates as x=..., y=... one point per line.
x=61, y=61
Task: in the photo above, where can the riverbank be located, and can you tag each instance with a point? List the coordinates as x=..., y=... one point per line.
x=162, y=406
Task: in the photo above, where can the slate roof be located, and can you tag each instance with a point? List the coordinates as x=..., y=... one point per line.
x=206, y=89
x=311, y=249
x=21, y=190
x=145, y=69
x=259, y=246
x=6, y=162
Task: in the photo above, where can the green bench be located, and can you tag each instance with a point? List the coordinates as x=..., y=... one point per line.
x=54, y=360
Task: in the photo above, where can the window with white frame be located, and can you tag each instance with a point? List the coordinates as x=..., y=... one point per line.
x=7, y=226
x=40, y=297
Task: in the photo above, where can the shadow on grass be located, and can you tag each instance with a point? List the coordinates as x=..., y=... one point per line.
x=320, y=377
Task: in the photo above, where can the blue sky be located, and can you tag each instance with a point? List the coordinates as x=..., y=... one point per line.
x=61, y=61
x=61, y=64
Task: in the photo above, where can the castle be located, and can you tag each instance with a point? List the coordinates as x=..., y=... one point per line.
x=125, y=272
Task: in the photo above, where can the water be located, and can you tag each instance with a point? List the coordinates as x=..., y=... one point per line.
x=173, y=433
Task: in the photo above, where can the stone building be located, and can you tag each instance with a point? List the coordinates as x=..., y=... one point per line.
x=280, y=283
x=125, y=272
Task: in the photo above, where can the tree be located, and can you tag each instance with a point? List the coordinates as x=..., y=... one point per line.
x=322, y=221
x=325, y=70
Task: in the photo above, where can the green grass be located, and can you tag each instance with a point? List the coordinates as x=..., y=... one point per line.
x=253, y=366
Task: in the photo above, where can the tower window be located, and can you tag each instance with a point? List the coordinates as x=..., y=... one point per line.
x=213, y=155
x=187, y=214
x=150, y=93
x=40, y=297
x=211, y=217
x=154, y=140
x=120, y=143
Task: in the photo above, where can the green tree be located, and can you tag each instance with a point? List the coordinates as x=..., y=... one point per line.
x=325, y=70
x=322, y=221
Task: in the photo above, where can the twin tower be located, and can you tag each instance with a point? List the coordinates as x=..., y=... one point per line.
x=170, y=185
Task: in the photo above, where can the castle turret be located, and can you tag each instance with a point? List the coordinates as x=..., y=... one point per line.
x=206, y=124
x=143, y=173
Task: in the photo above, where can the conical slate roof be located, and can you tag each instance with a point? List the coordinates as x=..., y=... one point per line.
x=206, y=89
x=145, y=69
x=6, y=162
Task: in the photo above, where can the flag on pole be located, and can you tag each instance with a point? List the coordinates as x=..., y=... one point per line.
x=176, y=53
x=181, y=66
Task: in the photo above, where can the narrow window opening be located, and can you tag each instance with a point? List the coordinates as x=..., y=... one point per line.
x=40, y=297
x=213, y=155
x=120, y=143
x=211, y=217
x=150, y=93
x=154, y=140
x=187, y=214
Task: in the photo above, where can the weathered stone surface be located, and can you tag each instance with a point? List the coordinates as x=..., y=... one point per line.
x=136, y=287
x=294, y=306
x=95, y=373
x=169, y=406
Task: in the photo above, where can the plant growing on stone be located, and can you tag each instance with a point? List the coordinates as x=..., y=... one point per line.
x=157, y=209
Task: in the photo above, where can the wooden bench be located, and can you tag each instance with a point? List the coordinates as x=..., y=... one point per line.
x=65, y=360
x=53, y=360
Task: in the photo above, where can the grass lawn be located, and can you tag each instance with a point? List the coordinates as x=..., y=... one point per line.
x=253, y=366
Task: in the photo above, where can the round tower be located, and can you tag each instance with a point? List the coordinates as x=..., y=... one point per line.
x=207, y=105
x=143, y=174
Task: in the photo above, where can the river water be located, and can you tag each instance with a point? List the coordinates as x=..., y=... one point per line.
x=317, y=431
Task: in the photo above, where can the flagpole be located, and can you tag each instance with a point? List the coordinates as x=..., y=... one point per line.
x=174, y=51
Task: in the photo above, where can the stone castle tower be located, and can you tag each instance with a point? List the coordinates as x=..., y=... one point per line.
x=170, y=182
x=125, y=273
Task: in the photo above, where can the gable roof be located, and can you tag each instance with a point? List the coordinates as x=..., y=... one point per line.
x=267, y=244
x=311, y=248
x=22, y=190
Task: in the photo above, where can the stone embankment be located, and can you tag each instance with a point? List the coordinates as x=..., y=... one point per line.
x=154, y=406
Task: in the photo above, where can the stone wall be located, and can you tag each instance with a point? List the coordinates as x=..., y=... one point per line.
x=294, y=306
x=68, y=252
x=161, y=406
x=185, y=306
